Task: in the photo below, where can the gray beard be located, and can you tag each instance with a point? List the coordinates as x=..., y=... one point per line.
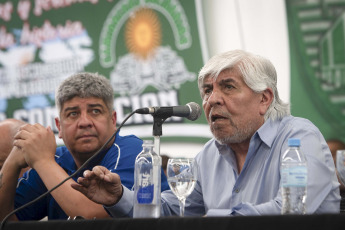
x=239, y=136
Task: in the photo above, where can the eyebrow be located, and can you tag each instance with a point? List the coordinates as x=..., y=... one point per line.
x=95, y=105
x=224, y=81
x=89, y=106
x=227, y=80
x=70, y=108
x=206, y=85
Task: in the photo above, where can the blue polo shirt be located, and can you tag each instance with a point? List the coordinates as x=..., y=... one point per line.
x=120, y=159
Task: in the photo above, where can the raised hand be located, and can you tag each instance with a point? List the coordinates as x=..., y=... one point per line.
x=100, y=185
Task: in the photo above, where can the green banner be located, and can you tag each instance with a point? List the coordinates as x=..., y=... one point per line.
x=317, y=51
x=151, y=50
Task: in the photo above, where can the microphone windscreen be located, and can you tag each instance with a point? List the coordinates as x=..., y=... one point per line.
x=195, y=111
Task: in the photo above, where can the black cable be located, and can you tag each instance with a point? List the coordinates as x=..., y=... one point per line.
x=69, y=177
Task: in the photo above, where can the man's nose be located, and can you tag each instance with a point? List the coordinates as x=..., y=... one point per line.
x=215, y=98
x=85, y=120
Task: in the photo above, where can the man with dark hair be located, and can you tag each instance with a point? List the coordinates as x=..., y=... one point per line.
x=86, y=121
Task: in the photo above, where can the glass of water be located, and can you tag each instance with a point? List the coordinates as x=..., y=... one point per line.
x=182, y=176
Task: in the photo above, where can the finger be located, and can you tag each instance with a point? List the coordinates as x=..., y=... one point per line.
x=79, y=188
x=22, y=134
x=28, y=128
x=83, y=182
x=87, y=173
x=49, y=129
x=18, y=143
x=36, y=128
x=112, y=178
x=99, y=171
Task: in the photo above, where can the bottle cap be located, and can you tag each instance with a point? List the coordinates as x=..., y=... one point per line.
x=294, y=142
x=147, y=142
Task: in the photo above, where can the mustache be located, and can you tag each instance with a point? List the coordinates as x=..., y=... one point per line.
x=218, y=112
x=215, y=111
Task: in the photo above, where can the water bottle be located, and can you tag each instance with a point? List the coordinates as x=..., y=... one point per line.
x=147, y=183
x=294, y=179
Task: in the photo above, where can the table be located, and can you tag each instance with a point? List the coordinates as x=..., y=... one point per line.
x=313, y=222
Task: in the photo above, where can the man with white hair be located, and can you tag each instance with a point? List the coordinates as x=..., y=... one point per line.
x=238, y=169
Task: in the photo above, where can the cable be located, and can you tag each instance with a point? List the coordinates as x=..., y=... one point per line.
x=69, y=177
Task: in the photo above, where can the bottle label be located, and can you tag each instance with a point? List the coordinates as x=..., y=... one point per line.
x=146, y=188
x=294, y=177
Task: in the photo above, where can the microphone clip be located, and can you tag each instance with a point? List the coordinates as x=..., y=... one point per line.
x=157, y=125
x=158, y=120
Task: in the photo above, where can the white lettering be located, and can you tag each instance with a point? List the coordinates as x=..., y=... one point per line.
x=36, y=116
x=21, y=114
x=120, y=106
x=48, y=32
x=50, y=113
x=46, y=5
x=6, y=10
x=44, y=116
x=149, y=100
x=124, y=106
x=23, y=9
x=135, y=101
x=36, y=78
x=6, y=39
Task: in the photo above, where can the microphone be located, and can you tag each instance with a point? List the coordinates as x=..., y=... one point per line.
x=190, y=111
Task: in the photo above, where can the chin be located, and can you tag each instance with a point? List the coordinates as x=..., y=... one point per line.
x=88, y=149
x=226, y=139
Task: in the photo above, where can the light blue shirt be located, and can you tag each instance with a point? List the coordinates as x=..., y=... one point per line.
x=222, y=191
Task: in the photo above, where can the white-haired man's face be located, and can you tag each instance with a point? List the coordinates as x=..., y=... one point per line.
x=233, y=111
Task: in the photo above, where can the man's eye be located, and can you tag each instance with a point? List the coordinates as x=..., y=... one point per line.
x=72, y=114
x=96, y=111
x=207, y=91
x=229, y=86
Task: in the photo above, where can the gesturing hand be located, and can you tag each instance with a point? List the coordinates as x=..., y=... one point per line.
x=100, y=185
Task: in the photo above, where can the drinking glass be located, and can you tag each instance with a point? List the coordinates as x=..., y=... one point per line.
x=341, y=165
x=182, y=176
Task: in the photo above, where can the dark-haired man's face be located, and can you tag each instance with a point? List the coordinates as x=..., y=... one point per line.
x=85, y=124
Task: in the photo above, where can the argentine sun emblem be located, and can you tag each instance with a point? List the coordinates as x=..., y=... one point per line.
x=147, y=62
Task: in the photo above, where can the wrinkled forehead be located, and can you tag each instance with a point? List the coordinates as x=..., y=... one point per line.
x=213, y=76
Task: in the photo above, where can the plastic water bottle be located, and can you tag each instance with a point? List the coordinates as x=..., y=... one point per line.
x=147, y=183
x=294, y=179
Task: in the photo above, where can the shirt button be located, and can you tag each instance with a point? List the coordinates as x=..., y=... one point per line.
x=237, y=190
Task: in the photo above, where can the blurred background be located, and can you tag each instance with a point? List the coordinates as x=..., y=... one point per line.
x=152, y=51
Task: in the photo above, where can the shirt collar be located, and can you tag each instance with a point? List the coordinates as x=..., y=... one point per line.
x=222, y=149
x=268, y=131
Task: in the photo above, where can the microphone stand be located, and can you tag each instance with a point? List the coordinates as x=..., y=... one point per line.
x=158, y=120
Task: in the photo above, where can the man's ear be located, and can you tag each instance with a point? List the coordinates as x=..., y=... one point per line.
x=57, y=123
x=266, y=100
x=114, y=117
